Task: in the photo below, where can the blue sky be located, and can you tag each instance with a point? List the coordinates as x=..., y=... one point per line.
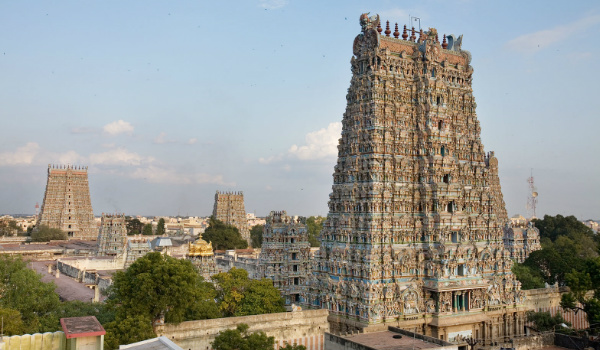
x=169, y=101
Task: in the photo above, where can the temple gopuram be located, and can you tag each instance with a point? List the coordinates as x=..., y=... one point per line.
x=200, y=253
x=67, y=205
x=414, y=234
x=229, y=208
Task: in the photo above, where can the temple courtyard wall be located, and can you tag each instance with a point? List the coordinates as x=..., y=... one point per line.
x=301, y=327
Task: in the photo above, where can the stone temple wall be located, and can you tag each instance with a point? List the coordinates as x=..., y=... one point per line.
x=302, y=327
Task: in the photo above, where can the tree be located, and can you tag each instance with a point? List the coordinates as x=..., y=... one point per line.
x=256, y=235
x=12, y=322
x=314, y=226
x=241, y=339
x=147, y=230
x=157, y=286
x=126, y=330
x=529, y=278
x=160, y=229
x=554, y=226
x=44, y=233
x=544, y=321
x=23, y=291
x=223, y=237
x=134, y=226
x=237, y=295
x=9, y=228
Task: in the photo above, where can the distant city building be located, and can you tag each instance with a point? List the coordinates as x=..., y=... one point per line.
x=253, y=220
x=414, y=234
x=229, y=208
x=285, y=254
x=67, y=205
x=592, y=224
x=112, y=239
x=201, y=254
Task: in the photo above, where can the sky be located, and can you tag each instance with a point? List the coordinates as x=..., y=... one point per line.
x=167, y=102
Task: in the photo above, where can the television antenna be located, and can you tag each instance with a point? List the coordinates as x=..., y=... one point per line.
x=415, y=19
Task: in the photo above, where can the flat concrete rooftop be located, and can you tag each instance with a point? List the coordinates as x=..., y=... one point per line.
x=385, y=340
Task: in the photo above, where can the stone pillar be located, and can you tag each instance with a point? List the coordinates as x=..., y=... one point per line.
x=96, y=294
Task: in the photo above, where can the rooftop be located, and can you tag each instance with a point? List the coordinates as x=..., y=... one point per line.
x=86, y=326
x=160, y=343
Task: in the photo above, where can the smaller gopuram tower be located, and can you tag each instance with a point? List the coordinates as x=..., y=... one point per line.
x=202, y=257
x=67, y=205
x=112, y=239
x=229, y=208
x=285, y=254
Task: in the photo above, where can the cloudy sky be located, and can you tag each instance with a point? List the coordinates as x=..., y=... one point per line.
x=169, y=101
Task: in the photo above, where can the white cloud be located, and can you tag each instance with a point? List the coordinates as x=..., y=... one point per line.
x=270, y=159
x=534, y=42
x=22, y=156
x=272, y=4
x=69, y=157
x=156, y=174
x=119, y=156
x=162, y=139
x=118, y=127
x=192, y=141
x=319, y=144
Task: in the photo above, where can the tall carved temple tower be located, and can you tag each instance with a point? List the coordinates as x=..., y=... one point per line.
x=229, y=208
x=285, y=254
x=67, y=203
x=414, y=233
x=112, y=239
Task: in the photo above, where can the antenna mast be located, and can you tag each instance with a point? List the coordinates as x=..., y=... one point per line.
x=532, y=198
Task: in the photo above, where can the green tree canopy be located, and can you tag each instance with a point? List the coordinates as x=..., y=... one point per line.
x=160, y=229
x=314, y=224
x=157, y=285
x=237, y=295
x=223, y=236
x=126, y=330
x=9, y=228
x=256, y=235
x=147, y=231
x=133, y=225
x=553, y=227
x=241, y=339
x=529, y=278
x=21, y=289
x=544, y=321
x=44, y=233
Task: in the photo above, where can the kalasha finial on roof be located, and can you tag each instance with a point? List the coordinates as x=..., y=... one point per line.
x=404, y=33
x=420, y=34
x=396, y=32
x=387, y=28
x=413, y=36
x=379, y=27
x=437, y=39
x=444, y=43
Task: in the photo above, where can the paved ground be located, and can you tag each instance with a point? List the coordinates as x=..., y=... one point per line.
x=66, y=287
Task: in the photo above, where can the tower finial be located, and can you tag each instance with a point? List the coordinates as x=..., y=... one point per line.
x=413, y=36
x=396, y=32
x=404, y=33
x=445, y=43
x=387, y=28
x=379, y=27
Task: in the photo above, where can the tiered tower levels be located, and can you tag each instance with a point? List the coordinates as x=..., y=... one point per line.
x=112, y=239
x=229, y=208
x=416, y=216
x=285, y=254
x=67, y=203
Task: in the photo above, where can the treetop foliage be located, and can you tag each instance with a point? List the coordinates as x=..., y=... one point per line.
x=256, y=235
x=314, y=224
x=223, y=237
x=44, y=233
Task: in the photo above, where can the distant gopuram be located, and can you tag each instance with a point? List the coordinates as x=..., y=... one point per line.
x=67, y=203
x=285, y=254
x=112, y=239
x=229, y=208
x=413, y=238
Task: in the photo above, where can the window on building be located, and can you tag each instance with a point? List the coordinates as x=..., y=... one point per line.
x=295, y=268
x=454, y=237
x=461, y=270
x=294, y=256
x=446, y=178
x=296, y=281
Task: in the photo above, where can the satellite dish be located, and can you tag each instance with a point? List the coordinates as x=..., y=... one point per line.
x=534, y=194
